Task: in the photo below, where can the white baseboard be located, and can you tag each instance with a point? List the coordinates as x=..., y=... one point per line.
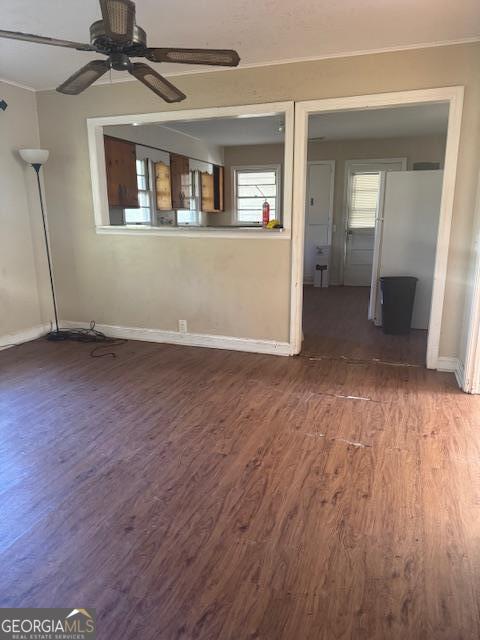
x=453, y=365
x=230, y=343
x=447, y=364
x=11, y=339
x=460, y=375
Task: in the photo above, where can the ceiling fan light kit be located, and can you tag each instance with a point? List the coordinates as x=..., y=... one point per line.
x=118, y=37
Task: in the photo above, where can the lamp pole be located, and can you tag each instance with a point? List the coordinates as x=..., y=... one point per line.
x=36, y=167
x=35, y=158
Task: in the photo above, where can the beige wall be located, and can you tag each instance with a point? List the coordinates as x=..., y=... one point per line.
x=126, y=280
x=23, y=285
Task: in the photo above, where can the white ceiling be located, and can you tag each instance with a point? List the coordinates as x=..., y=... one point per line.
x=380, y=123
x=262, y=31
x=345, y=125
x=226, y=132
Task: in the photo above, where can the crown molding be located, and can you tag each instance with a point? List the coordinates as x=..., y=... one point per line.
x=274, y=63
x=18, y=85
x=328, y=56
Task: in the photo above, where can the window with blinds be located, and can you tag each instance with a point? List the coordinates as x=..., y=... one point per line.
x=142, y=215
x=252, y=187
x=363, y=200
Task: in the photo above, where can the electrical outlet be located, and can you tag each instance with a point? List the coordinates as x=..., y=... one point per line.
x=182, y=326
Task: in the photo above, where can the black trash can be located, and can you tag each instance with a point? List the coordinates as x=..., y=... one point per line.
x=398, y=295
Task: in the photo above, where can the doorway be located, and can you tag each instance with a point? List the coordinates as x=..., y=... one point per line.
x=318, y=221
x=351, y=244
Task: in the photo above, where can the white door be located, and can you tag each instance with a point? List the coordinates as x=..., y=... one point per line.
x=363, y=183
x=318, y=218
x=409, y=238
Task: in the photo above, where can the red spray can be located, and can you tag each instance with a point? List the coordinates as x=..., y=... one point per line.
x=265, y=213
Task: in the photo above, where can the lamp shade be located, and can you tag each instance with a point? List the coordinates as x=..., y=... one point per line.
x=34, y=156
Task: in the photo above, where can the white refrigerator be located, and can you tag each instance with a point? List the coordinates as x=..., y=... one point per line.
x=406, y=237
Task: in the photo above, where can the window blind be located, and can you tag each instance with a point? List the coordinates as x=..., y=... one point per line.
x=363, y=200
x=252, y=189
x=142, y=214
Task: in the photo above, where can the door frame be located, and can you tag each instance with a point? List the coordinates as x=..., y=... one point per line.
x=377, y=250
x=331, y=164
x=346, y=197
x=451, y=95
x=468, y=375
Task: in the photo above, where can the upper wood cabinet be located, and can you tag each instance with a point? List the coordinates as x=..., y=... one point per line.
x=212, y=190
x=180, y=181
x=163, y=187
x=206, y=181
x=120, y=160
x=218, y=180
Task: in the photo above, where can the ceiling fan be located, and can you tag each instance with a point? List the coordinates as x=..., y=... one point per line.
x=118, y=36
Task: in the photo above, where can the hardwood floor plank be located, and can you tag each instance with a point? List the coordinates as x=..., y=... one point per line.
x=192, y=493
x=335, y=323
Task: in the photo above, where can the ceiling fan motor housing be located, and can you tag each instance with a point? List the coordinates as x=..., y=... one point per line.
x=119, y=62
x=103, y=44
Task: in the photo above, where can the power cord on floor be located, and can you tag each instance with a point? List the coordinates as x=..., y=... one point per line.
x=90, y=335
x=81, y=334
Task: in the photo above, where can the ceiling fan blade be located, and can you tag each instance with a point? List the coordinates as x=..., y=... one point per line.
x=156, y=82
x=30, y=37
x=83, y=78
x=220, y=57
x=118, y=19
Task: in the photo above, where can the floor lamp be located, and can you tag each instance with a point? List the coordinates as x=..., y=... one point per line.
x=35, y=158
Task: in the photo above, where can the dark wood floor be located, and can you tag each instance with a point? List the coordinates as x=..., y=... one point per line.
x=193, y=493
x=335, y=323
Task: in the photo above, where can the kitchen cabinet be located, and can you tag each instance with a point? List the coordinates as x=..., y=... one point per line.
x=218, y=173
x=212, y=190
x=206, y=181
x=180, y=181
x=120, y=161
x=163, y=187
